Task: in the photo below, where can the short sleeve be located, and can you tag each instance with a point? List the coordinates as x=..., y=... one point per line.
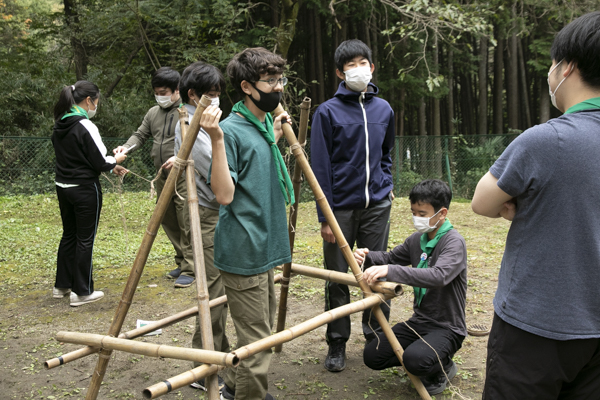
x=231, y=149
x=523, y=166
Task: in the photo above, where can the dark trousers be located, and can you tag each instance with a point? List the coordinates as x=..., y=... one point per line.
x=419, y=359
x=368, y=228
x=521, y=365
x=80, y=208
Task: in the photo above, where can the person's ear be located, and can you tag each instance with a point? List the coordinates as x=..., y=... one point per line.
x=340, y=74
x=246, y=87
x=444, y=213
x=569, y=69
x=191, y=93
x=372, y=67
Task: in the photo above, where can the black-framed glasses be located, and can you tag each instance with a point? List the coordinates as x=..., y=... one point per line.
x=273, y=82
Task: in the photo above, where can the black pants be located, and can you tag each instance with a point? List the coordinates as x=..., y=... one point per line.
x=80, y=211
x=419, y=359
x=368, y=228
x=521, y=365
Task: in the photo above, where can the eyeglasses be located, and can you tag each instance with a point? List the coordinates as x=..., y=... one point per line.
x=273, y=82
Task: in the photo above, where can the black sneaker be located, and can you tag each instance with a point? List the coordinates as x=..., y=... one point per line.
x=184, y=281
x=336, y=356
x=437, y=384
x=200, y=384
x=229, y=394
x=174, y=274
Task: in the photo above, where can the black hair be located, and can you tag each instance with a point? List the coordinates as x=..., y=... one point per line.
x=249, y=64
x=431, y=191
x=202, y=78
x=74, y=94
x=350, y=49
x=165, y=77
x=579, y=41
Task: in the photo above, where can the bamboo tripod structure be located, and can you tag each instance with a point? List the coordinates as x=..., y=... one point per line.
x=346, y=250
x=215, y=361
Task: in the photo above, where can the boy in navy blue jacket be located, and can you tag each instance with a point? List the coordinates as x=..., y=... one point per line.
x=352, y=136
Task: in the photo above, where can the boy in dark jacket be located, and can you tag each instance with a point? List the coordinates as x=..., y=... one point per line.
x=352, y=136
x=434, y=261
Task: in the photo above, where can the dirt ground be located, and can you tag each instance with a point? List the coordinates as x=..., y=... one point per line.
x=30, y=318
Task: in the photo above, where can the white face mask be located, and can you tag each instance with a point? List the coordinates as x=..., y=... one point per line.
x=91, y=113
x=358, y=78
x=164, y=101
x=214, y=101
x=553, y=94
x=422, y=223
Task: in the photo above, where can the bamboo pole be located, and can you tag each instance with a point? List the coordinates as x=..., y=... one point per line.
x=144, y=250
x=168, y=321
x=204, y=318
x=296, y=181
x=391, y=288
x=180, y=380
x=281, y=337
x=307, y=326
x=149, y=349
x=343, y=244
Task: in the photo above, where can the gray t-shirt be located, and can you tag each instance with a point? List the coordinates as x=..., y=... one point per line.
x=445, y=278
x=202, y=156
x=549, y=281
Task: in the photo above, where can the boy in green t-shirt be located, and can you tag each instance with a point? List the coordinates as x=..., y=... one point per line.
x=250, y=180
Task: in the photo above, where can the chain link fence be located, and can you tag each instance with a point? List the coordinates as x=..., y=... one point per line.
x=27, y=163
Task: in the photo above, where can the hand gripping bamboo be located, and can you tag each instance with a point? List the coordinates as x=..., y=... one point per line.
x=343, y=244
x=144, y=250
x=296, y=181
x=204, y=319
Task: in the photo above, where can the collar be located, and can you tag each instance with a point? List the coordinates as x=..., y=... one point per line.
x=346, y=94
x=589, y=104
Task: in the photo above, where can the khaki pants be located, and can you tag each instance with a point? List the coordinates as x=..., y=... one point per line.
x=252, y=304
x=218, y=315
x=176, y=224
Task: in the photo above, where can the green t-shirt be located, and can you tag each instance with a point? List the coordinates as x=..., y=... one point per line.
x=251, y=236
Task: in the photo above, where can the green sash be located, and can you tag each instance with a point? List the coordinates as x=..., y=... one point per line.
x=285, y=183
x=427, y=246
x=76, y=110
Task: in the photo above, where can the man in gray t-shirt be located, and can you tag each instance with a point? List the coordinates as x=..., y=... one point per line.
x=545, y=338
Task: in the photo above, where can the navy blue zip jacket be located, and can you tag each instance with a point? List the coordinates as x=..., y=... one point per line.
x=352, y=136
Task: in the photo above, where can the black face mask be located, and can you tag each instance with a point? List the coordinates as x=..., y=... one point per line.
x=268, y=101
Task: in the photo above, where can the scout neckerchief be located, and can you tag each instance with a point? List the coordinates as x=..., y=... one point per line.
x=589, y=104
x=285, y=183
x=76, y=110
x=427, y=246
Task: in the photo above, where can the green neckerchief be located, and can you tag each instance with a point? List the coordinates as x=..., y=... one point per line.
x=76, y=110
x=285, y=183
x=427, y=246
x=589, y=104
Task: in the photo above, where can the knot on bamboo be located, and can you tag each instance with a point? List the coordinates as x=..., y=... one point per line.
x=125, y=302
x=150, y=233
x=321, y=198
x=180, y=163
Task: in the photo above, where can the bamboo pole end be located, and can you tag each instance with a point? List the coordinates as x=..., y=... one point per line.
x=205, y=101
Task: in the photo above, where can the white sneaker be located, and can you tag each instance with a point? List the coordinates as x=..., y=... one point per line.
x=58, y=293
x=77, y=301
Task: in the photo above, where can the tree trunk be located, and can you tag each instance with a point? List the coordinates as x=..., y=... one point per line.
x=319, y=58
x=422, y=138
x=400, y=131
x=79, y=52
x=375, y=49
x=274, y=13
x=513, y=77
x=544, y=100
x=450, y=121
x=312, y=62
x=436, y=117
x=287, y=25
x=482, y=120
x=524, y=85
x=498, y=84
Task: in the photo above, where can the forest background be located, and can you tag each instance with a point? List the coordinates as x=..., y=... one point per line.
x=447, y=68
